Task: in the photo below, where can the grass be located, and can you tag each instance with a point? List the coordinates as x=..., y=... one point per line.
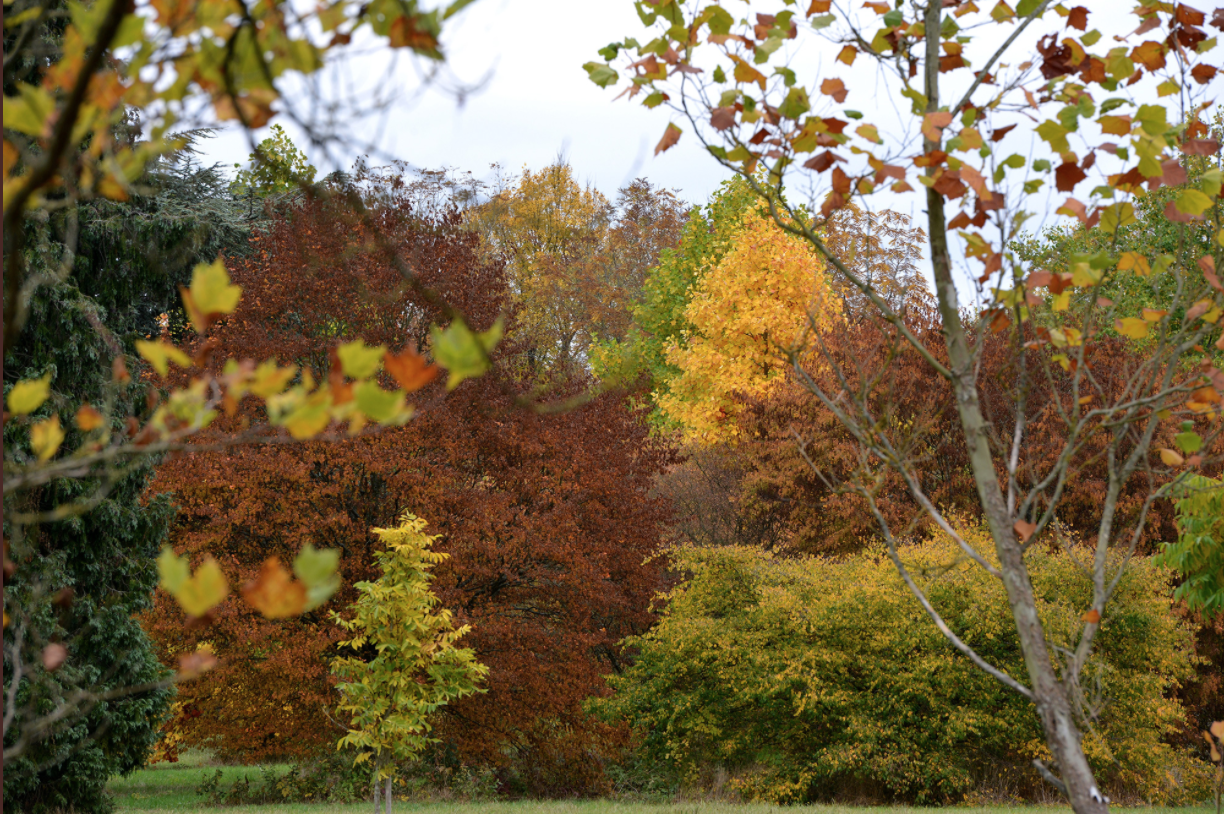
x=170, y=787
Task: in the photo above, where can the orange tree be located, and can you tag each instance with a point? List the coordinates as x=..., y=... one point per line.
x=548, y=520
x=1105, y=120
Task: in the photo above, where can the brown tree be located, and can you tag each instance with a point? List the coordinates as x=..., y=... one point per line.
x=547, y=518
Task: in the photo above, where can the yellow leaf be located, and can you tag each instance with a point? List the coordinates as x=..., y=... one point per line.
x=205, y=589
x=1153, y=315
x=1132, y=327
x=1171, y=458
x=161, y=354
x=28, y=395
x=211, y=295
x=358, y=360
x=46, y=437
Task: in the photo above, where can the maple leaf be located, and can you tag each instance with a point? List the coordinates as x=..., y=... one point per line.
x=410, y=369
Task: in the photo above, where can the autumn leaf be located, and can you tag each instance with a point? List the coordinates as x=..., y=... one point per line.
x=847, y=55
x=359, y=360
x=53, y=656
x=1025, y=529
x=318, y=571
x=160, y=354
x=88, y=419
x=29, y=394
x=1092, y=617
x=274, y=592
x=197, y=593
x=193, y=665
x=1171, y=458
x=210, y=296
x=670, y=136
x=1132, y=327
x=835, y=88
x=933, y=123
x=46, y=437
x=463, y=352
x=410, y=369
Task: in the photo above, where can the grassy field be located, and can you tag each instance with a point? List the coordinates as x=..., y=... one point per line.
x=170, y=787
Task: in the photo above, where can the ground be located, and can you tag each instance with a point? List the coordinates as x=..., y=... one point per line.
x=170, y=787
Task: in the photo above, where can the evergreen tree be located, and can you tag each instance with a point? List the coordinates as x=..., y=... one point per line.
x=83, y=551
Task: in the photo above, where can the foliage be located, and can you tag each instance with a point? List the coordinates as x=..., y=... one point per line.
x=416, y=666
x=1198, y=553
x=79, y=580
x=575, y=261
x=803, y=676
x=752, y=309
x=547, y=518
x=782, y=124
x=277, y=165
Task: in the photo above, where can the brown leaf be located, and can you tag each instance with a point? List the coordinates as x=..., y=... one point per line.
x=410, y=369
x=53, y=656
x=404, y=33
x=1067, y=176
x=819, y=7
x=1092, y=617
x=823, y=161
x=1174, y=174
x=1149, y=54
x=1025, y=529
x=1078, y=18
x=835, y=88
x=1217, y=18
x=1200, y=146
x=1187, y=15
x=722, y=118
x=1206, y=264
x=1203, y=73
x=841, y=181
x=670, y=136
x=999, y=132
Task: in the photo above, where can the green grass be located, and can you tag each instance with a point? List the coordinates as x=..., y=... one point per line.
x=170, y=787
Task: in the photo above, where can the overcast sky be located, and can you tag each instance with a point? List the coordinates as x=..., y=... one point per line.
x=536, y=103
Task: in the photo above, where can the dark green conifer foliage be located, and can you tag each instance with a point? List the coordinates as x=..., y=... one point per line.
x=129, y=259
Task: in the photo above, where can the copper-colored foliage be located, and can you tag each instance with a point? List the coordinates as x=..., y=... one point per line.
x=547, y=518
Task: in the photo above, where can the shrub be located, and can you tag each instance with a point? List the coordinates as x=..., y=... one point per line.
x=808, y=677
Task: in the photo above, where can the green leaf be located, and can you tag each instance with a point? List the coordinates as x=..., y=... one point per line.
x=609, y=51
x=464, y=353
x=1112, y=104
x=28, y=395
x=28, y=111
x=1115, y=216
x=718, y=19
x=172, y=570
x=1188, y=442
x=359, y=360
x=601, y=74
x=317, y=569
x=795, y=104
x=1054, y=135
x=719, y=75
x=1153, y=119
x=823, y=21
x=853, y=114
x=383, y=406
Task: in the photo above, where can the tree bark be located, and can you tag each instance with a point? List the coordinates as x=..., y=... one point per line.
x=1050, y=695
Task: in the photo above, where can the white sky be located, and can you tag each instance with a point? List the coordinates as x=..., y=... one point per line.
x=537, y=103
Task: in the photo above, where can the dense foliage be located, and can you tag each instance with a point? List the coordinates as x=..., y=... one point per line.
x=811, y=678
x=547, y=519
x=81, y=576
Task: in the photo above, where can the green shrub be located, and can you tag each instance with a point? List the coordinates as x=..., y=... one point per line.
x=808, y=677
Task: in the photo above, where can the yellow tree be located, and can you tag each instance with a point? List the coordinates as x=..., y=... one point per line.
x=752, y=311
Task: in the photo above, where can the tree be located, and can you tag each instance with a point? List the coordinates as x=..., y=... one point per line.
x=575, y=260
x=76, y=582
x=548, y=519
x=276, y=165
x=758, y=122
x=416, y=667
x=87, y=118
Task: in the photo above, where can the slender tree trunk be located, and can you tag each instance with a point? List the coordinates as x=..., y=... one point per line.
x=390, y=796
x=1049, y=694
x=375, y=784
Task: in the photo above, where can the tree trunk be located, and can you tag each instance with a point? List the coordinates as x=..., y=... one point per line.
x=376, y=763
x=1049, y=694
x=389, y=794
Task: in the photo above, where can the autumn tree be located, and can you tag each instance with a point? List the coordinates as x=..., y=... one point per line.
x=963, y=138
x=276, y=165
x=548, y=520
x=416, y=666
x=93, y=250
x=575, y=260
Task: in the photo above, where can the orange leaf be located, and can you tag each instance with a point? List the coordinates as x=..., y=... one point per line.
x=932, y=123
x=194, y=664
x=835, y=88
x=53, y=656
x=275, y=593
x=847, y=54
x=88, y=419
x=410, y=369
x=670, y=136
x=1025, y=529
x=1091, y=617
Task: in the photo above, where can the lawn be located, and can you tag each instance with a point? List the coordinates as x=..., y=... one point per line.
x=170, y=787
